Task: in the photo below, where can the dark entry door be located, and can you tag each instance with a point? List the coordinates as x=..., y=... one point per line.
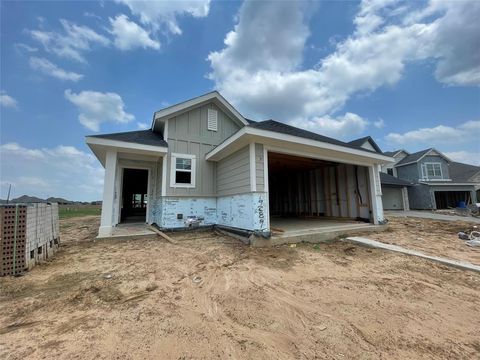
x=134, y=195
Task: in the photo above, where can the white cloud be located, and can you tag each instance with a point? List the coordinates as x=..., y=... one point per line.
x=438, y=135
x=164, y=14
x=48, y=68
x=379, y=124
x=143, y=126
x=72, y=42
x=16, y=149
x=25, y=47
x=7, y=101
x=96, y=108
x=342, y=127
x=465, y=157
x=260, y=67
x=58, y=171
x=128, y=35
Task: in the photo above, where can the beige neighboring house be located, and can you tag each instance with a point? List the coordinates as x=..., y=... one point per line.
x=203, y=163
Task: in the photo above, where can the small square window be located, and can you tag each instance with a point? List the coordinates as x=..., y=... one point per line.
x=390, y=171
x=182, y=171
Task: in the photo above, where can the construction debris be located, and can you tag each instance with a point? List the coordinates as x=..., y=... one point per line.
x=162, y=234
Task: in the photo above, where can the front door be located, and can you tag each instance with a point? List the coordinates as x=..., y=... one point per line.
x=134, y=195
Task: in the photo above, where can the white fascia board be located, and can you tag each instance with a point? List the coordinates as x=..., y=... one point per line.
x=380, y=159
x=447, y=184
x=169, y=111
x=100, y=147
x=125, y=145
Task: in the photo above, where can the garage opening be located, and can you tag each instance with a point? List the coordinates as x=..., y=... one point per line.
x=451, y=199
x=308, y=189
x=134, y=195
x=392, y=198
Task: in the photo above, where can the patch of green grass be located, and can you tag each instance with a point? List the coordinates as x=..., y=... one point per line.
x=70, y=211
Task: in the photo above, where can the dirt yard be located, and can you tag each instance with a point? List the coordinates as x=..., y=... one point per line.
x=439, y=238
x=212, y=297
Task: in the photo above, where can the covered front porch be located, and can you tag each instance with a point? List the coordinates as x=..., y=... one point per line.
x=132, y=184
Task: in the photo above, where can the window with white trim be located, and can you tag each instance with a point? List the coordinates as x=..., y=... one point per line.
x=183, y=171
x=212, y=121
x=431, y=170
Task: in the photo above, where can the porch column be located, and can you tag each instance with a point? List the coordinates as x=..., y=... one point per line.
x=406, y=203
x=106, y=220
x=376, y=194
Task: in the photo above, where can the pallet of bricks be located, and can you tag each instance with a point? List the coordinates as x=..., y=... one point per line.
x=29, y=233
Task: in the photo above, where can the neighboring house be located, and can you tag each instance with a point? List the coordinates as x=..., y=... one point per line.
x=203, y=162
x=367, y=143
x=394, y=192
x=436, y=181
x=397, y=156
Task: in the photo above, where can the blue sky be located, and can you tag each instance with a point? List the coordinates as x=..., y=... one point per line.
x=391, y=69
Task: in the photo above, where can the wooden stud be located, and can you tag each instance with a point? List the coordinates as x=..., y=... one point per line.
x=346, y=191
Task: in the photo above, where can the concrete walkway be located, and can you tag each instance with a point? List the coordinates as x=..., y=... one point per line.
x=464, y=265
x=429, y=215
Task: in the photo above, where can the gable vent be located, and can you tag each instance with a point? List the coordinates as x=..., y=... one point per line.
x=212, y=120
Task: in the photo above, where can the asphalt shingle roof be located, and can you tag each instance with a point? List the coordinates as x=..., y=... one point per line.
x=460, y=172
x=413, y=157
x=275, y=126
x=361, y=141
x=386, y=179
x=145, y=137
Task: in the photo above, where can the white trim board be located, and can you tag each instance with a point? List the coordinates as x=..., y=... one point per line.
x=253, y=168
x=101, y=146
x=173, y=170
x=253, y=132
x=125, y=144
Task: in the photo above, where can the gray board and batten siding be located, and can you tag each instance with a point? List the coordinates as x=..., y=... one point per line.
x=188, y=133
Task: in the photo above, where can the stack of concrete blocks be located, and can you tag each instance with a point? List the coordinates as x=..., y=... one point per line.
x=29, y=233
x=12, y=239
x=42, y=232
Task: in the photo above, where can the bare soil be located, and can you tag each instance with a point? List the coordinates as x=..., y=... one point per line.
x=210, y=297
x=439, y=238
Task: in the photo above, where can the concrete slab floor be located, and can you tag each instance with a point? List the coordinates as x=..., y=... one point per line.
x=311, y=224
x=131, y=230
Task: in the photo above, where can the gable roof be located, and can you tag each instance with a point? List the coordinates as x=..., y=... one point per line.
x=279, y=127
x=386, y=179
x=160, y=116
x=144, y=137
x=415, y=157
x=361, y=141
x=395, y=152
x=460, y=172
